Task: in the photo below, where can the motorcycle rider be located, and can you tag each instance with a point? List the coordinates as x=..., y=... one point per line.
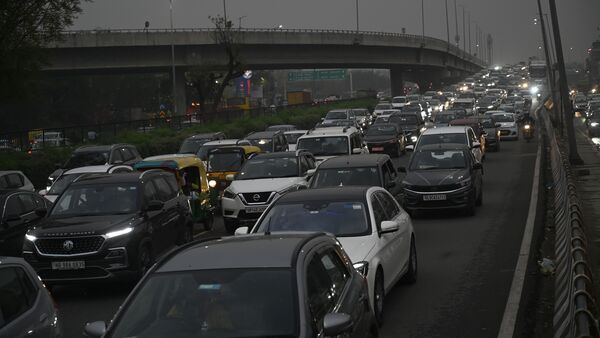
x=528, y=119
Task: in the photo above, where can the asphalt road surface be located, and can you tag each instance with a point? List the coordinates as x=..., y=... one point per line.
x=466, y=263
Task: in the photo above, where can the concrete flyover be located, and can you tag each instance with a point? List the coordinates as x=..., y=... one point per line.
x=419, y=59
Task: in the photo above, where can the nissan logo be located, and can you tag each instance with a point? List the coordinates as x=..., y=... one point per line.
x=256, y=197
x=68, y=245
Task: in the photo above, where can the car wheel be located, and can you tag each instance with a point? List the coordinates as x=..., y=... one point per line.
x=144, y=260
x=378, y=297
x=230, y=225
x=410, y=277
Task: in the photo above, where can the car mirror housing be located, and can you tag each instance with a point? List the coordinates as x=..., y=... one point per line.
x=230, y=177
x=241, y=231
x=389, y=226
x=410, y=147
x=356, y=151
x=95, y=329
x=41, y=212
x=310, y=172
x=476, y=145
x=335, y=324
x=155, y=205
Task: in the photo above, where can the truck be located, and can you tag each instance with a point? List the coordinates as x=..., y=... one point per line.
x=299, y=97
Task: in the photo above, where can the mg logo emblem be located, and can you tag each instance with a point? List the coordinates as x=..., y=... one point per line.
x=256, y=197
x=68, y=245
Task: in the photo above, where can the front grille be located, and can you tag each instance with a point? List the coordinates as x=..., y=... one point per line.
x=435, y=188
x=257, y=197
x=62, y=246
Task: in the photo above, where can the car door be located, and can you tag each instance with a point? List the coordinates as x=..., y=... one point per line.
x=155, y=218
x=390, y=179
x=399, y=241
x=13, y=226
x=475, y=150
x=328, y=289
x=171, y=216
x=384, y=242
x=22, y=312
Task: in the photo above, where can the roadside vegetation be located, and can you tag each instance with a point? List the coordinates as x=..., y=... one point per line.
x=40, y=164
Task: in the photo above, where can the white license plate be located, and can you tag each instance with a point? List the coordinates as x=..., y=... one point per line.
x=255, y=210
x=434, y=197
x=68, y=265
x=377, y=148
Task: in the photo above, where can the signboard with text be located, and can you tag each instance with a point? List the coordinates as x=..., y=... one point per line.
x=312, y=75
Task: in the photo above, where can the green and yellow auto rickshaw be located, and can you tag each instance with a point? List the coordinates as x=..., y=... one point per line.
x=191, y=176
x=225, y=161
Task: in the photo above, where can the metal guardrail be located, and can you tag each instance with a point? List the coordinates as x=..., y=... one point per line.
x=575, y=310
x=425, y=39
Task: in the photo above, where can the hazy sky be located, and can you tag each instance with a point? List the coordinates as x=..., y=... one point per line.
x=509, y=21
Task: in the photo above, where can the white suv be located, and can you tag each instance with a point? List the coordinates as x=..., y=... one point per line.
x=335, y=141
x=455, y=134
x=262, y=179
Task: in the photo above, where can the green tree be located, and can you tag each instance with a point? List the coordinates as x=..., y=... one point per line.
x=25, y=27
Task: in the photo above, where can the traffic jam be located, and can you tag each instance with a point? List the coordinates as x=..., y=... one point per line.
x=318, y=222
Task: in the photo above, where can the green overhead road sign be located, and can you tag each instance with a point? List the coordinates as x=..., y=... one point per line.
x=310, y=75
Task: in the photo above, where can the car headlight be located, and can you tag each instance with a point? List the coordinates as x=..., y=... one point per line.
x=414, y=138
x=228, y=194
x=527, y=126
x=30, y=238
x=212, y=183
x=117, y=233
x=490, y=107
x=362, y=267
x=594, y=124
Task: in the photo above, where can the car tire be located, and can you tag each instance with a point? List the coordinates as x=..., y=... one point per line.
x=230, y=225
x=144, y=259
x=378, y=297
x=410, y=277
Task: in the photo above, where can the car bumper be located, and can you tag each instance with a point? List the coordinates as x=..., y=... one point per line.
x=236, y=210
x=509, y=133
x=385, y=148
x=457, y=199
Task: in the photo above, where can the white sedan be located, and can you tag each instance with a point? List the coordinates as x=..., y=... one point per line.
x=374, y=230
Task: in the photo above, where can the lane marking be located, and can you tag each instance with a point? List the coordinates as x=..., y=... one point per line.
x=509, y=319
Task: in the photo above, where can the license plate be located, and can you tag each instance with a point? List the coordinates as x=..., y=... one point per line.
x=255, y=210
x=68, y=265
x=377, y=148
x=434, y=197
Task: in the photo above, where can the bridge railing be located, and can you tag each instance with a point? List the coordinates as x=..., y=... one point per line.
x=425, y=40
x=575, y=310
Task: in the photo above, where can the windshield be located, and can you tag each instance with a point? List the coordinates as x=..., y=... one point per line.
x=225, y=161
x=464, y=105
x=61, y=184
x=383, y=106
x=84, y=159
x=203, y=151
x=403, y=120
x=488, y=123
x=343, y=219
x=336, y=115
x=382, y=129
x=413, y=98
x=191, y=146
x=269, y=168
x=89, y=200
x=293, y=138
x=220, y=303
x=325, y=146
x=459, y=138
x=438, y=159
x=444, y=118
x=504, y=118
x=399, y=100
x=266, y=145
x=367, y=176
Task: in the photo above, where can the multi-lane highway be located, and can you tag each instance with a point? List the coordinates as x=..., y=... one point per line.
x=466, y=263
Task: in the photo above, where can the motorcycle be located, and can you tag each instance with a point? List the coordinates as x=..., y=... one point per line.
x=528, y=131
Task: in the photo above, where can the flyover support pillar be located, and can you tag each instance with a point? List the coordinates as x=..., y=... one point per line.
x=397, y=81
x=180, y=104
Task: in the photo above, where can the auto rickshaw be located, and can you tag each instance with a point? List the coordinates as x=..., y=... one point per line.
x=191, y=176
x=225, y=161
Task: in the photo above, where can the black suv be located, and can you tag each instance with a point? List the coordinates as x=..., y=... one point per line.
x=106, y=226
x=192, y=144
x=98, y=155
x=268, y=141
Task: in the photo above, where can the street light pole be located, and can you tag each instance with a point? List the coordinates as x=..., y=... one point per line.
x=175, y=108
x=464, y=37
x=457, y=38
x=357, y=27
x=447, y=25
x=225, y=11
x=469, y=13
x=423, y=18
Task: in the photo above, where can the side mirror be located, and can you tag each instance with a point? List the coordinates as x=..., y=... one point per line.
x=155, y=205
x=322, y=119
x=229, y=177
x=41, y=212
x=478, y=166
x=428, y=124
x=335, y=324
x=498, y=125
x=356, y=151
x=43, y=192
x=310, y=172
x=95, y=329
x=241, y=231
x=389, y=226
x=476, y=145
x=410, y=147
x=402, y=169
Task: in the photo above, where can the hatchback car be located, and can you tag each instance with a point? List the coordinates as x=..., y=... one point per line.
x=19, y=211
x=109, y=226
x=443, y=176
x=275, y=285
x=411, y=123
x=14, y=179
x=509, y=128
x=26, y=307
x=456, y=134
x=268, y=141
x=366, y=170
x=373, y=229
